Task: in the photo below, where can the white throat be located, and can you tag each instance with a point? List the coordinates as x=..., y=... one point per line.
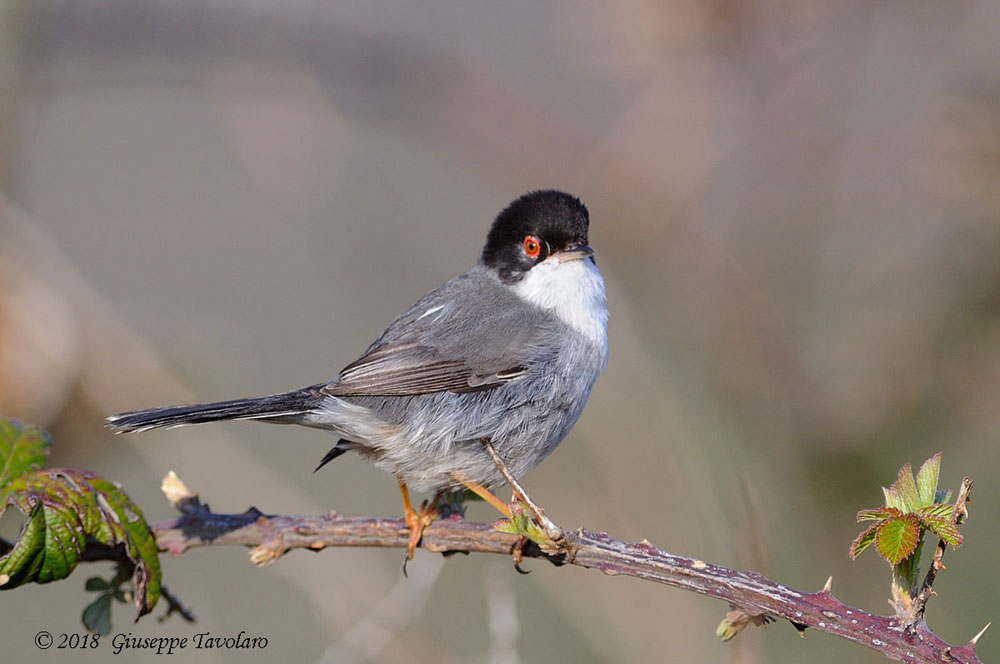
x=574, y=291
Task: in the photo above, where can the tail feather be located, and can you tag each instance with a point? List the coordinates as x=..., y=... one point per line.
x=275, y=406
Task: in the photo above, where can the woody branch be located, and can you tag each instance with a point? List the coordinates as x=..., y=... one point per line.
x=751, y=594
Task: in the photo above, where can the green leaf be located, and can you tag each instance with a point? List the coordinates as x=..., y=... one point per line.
x=943, y=510
x=22, y=449
x=903, y=492
x=96, y=583
x=521, y=523
x=894, y=498
x=944, y=528
x=65, y=507
x=878, y=513
x=140, y=544
x=24, y=555
x=97, y=615
x=896, y=538
x=927, y=479
x=863, y=541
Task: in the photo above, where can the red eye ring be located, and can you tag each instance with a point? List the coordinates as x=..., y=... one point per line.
x=532, y=247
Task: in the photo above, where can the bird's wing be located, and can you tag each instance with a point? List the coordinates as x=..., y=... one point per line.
x=398, y=369
x=443, y=343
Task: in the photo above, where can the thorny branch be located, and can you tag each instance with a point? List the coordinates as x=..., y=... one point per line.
x=958, y=515
x=756, y=596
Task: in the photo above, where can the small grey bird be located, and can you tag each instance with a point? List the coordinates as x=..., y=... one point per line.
x=506, y=353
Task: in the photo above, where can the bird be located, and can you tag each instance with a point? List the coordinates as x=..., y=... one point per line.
x=474, y=384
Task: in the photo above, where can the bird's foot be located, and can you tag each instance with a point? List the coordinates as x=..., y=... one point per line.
x=417, y=520
x=553, y=532
x=517, y=553
x=541, y=530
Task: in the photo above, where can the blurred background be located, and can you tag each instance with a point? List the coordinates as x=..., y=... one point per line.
x=796, y=207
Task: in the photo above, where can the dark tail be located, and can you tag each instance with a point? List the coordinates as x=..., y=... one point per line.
x=276, y=407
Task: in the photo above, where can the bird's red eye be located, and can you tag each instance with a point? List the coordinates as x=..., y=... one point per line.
x=532, y=247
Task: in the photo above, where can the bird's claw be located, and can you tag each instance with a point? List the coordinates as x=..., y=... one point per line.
x=547, y=535
x=417, y=520
x=517, y=553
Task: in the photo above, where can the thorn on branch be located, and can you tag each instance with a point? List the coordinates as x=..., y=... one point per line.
x=974, y=640
x=753, y=598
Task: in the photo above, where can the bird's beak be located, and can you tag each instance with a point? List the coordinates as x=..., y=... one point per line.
x=574, y=252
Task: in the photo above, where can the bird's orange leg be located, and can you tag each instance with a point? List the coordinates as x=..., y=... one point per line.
x=488, y=496
x=416, y=520
x=552, y=531
x=485, y=494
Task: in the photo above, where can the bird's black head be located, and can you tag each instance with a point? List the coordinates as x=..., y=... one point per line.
x=534, y=227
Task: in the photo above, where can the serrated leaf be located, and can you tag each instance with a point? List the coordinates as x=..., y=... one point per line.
x=862, y=541
x=893, y=500
x=24, y=555
x=904, y=491
x=927, y=479
x=944, y=528
x=878, y=513
x=65, y=507
x=896, y=538
x=944, y=510
x=139, y=542
x=23, y=448
x=97, y=615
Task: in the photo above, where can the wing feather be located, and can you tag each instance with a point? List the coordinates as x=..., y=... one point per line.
x=445, y=343
x=408, y=369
